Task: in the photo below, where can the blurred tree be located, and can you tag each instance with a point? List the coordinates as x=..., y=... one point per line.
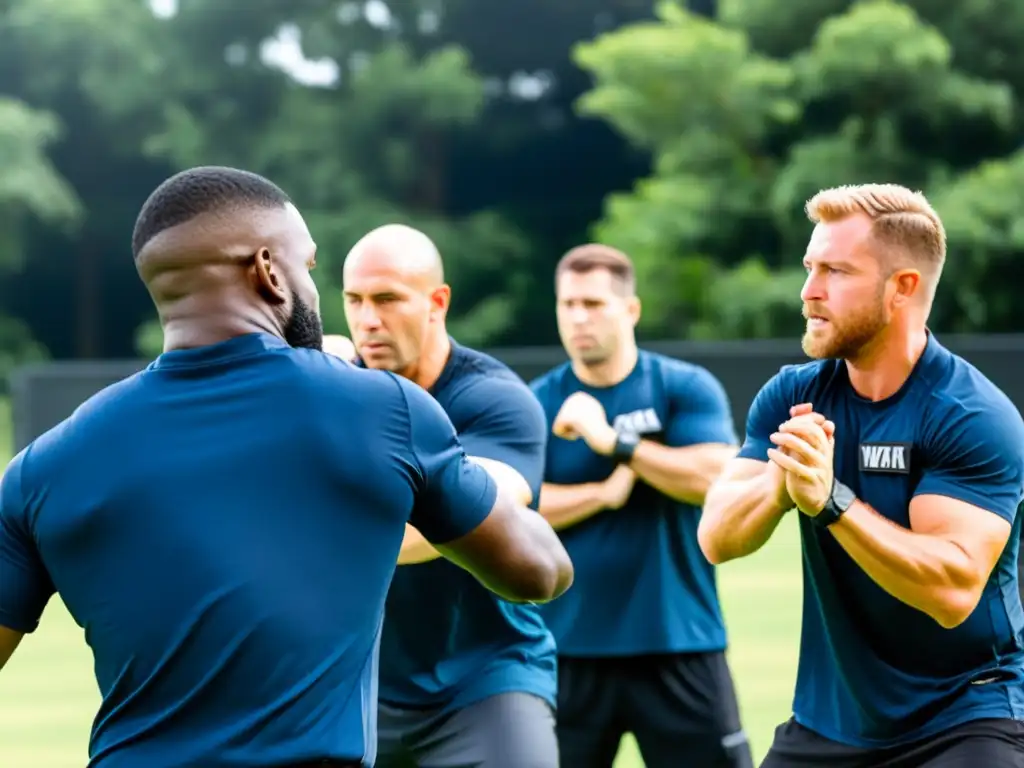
x=355, y=125
x=30, y=187
x=703, y=135
x=852, y=92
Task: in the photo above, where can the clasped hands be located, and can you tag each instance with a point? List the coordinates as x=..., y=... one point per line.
x=803, y=459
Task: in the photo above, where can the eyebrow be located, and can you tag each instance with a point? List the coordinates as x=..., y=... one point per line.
x=839, y=264
x=373, y=294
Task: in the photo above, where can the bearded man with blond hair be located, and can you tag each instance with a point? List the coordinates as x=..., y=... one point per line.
x=904, y=463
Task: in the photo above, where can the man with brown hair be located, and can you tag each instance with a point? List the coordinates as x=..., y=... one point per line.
x=638, y=438
x=906, y=466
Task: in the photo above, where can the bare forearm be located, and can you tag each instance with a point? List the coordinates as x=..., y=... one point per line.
x=739, y=517
x=519, y=556
x=566, y=505
x=930, y=574
x=415, y=548
x=545, y=540
x=9, y=640
x=684, y=474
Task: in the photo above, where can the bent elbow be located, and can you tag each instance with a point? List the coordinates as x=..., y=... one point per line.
x=539, y=581
x=712, y=554
x=955, y=609
x=708, y=541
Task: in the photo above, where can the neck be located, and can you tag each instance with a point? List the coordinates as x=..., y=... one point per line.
x=433, y=358
x=194, y=323
x=609, y=372
x=879, y=372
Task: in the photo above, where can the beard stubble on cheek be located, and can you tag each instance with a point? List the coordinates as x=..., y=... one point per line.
x=848, y=333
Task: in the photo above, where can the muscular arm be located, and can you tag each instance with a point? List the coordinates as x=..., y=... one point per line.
x=960, y=516
x=25, y=585
x=566, y=505
x=685, y=473
x=741, y=511
x=699, y=437
x=416, y=548
x=939, y=566
x=744, y=505
x=513, y=551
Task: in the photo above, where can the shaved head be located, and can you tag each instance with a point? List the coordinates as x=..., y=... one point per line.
x=404, y=250
x=396, y=299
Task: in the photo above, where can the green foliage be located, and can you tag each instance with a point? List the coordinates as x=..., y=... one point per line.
x=744, y=117
x=29, y=184
x=747, y=117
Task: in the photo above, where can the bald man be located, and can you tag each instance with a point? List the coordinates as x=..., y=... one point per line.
x=466, y=679
x=198, y=518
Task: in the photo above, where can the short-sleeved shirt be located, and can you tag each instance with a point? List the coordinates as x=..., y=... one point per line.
x=447, y=641
x=874, y=671
x=227, y=547
x=642, y=585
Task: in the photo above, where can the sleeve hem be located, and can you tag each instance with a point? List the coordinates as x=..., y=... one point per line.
x=967, y=496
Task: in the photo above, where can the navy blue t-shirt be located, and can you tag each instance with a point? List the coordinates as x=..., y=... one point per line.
x=447, y=641
x=874, y=671
x=642, y=585
x=227, y=547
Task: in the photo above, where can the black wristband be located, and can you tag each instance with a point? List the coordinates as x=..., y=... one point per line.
x=625, y=446
x=838, y=502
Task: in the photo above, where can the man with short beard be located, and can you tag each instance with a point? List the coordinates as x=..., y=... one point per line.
x=905, y=464
x=225, y=523
x=637, y=439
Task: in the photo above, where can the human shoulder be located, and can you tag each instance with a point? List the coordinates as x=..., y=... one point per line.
x=485, y=389
x=681, y=377
x=797, y=383
x=330, y=378
x=965, y=408
x=792, y=385
x=550, y=387
x=86, y=428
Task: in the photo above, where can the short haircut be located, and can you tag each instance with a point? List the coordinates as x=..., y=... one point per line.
x=903, y=222
x=206, y=189
x=587, y=258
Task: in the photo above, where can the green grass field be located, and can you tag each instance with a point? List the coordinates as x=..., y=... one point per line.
x=48, y=695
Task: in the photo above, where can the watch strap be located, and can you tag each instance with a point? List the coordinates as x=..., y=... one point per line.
x=838, y=502
x=625, y=446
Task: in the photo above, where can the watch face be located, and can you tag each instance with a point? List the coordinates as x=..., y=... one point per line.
x=842, y=496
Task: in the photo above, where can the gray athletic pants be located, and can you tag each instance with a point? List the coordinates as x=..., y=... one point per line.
x=510, y=730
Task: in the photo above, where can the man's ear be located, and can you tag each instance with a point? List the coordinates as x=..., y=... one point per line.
x=267, y=281
x=440, y=300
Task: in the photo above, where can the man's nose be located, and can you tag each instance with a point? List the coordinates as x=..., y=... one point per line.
x=814, y=287
x=368, y=316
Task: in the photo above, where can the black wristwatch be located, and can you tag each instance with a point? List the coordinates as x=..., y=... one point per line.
x=838, y=502
x=625, y=446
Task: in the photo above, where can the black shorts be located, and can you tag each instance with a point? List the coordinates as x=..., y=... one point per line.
x=681, y=708
x=510, y=730
x=979, y=744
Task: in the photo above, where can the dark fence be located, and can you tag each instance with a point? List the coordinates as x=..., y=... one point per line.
x=43, y=395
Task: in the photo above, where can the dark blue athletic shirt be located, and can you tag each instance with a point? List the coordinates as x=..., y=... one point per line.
x=873, y=671
x=447, y=641
x=642, y=585
x=224, y=525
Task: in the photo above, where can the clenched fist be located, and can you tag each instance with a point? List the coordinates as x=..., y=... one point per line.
x=582, y=416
